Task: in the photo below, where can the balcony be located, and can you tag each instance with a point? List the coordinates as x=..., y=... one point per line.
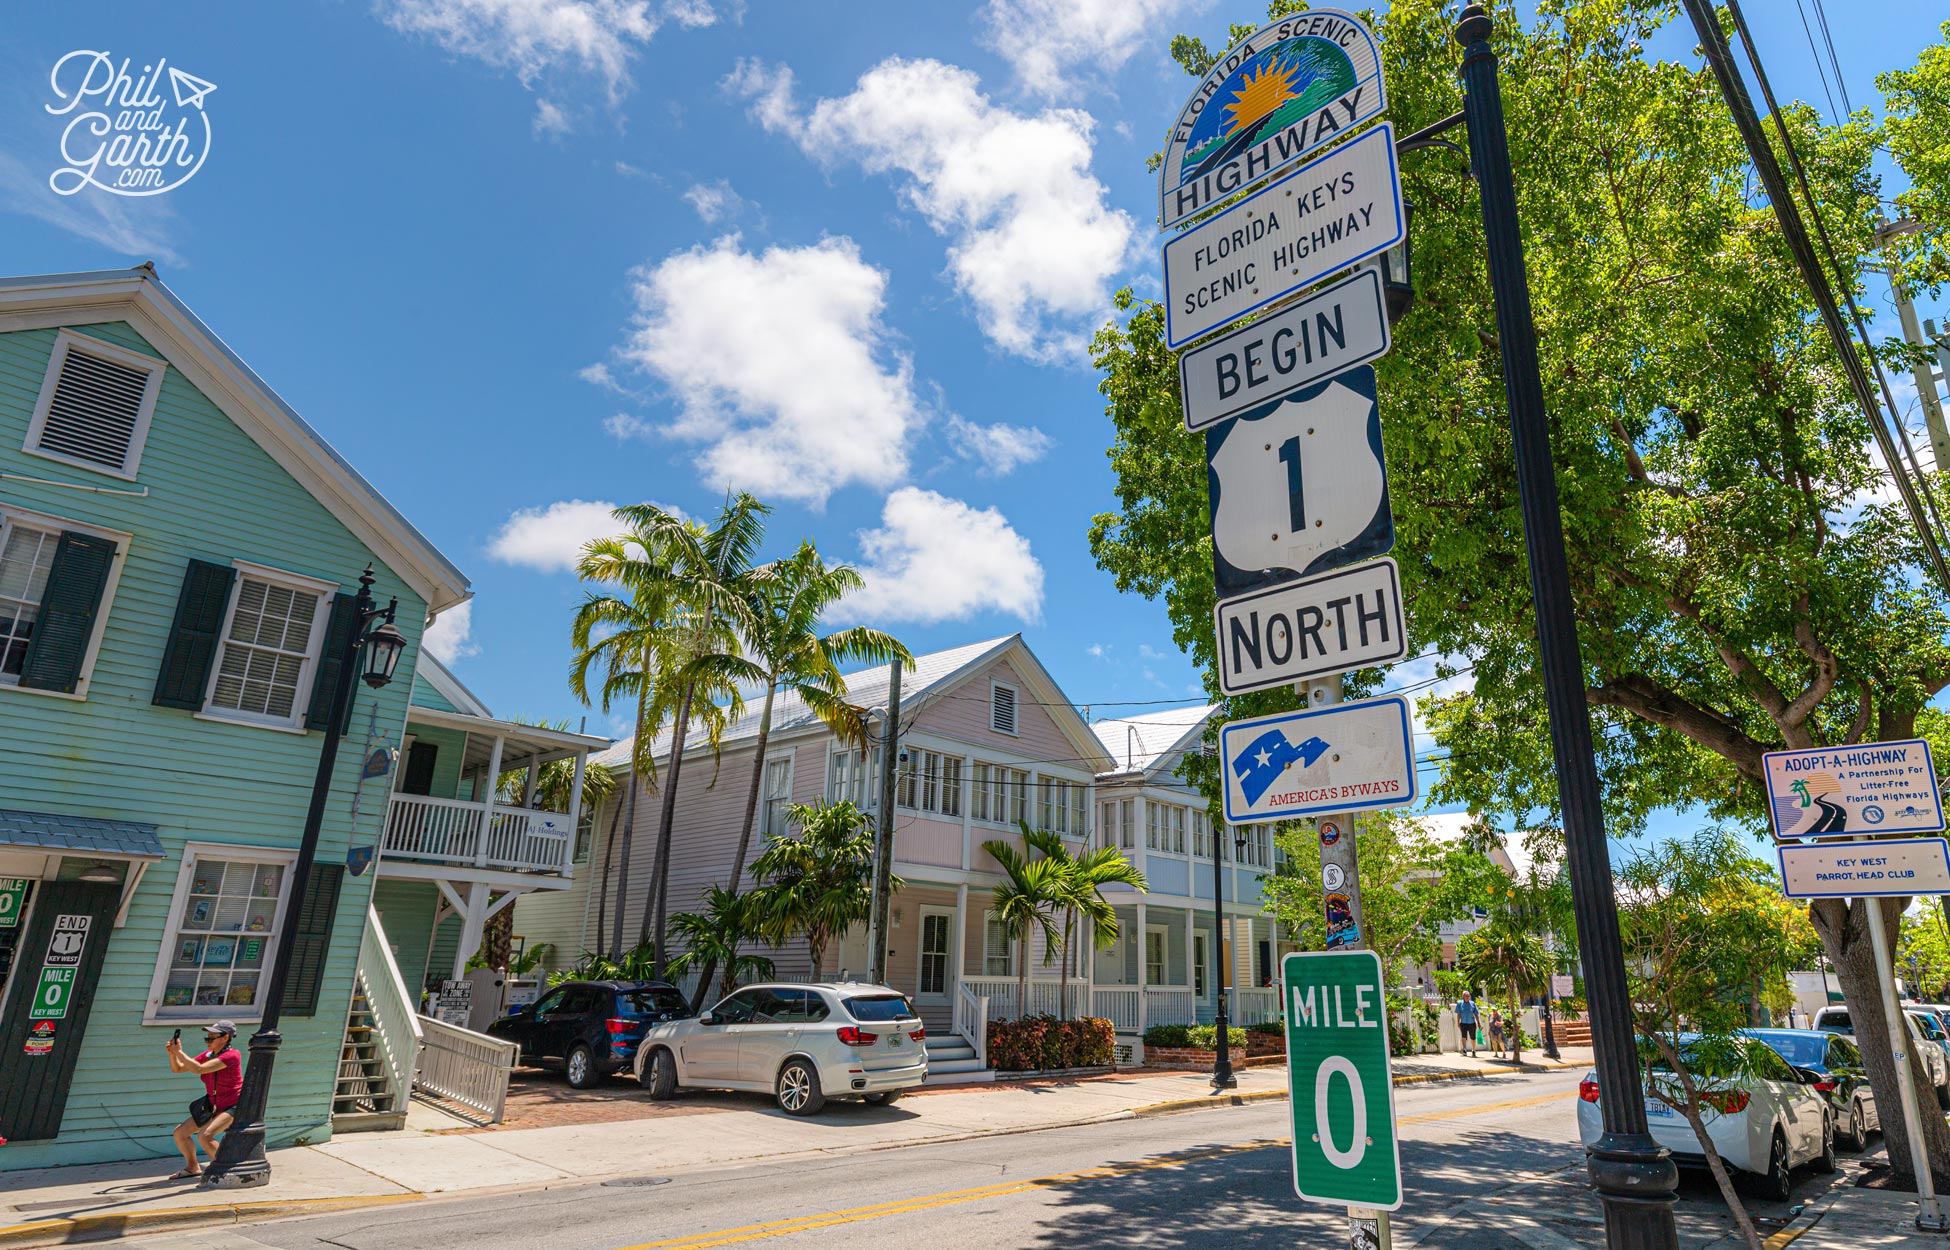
x=456, y=834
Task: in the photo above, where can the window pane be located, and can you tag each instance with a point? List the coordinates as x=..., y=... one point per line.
x=265, y=654
x=223, y=938
x=25, y=556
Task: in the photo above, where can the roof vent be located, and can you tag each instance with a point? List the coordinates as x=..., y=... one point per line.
x=1002, y=709
x=96, y=410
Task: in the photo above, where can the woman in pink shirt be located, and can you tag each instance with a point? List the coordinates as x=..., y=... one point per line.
x=222, y=1070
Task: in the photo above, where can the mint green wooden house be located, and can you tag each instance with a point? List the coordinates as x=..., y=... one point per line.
x=176, y=548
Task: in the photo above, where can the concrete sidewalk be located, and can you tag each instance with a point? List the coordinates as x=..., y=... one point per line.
x=438, y=1154
x=1848, y=1218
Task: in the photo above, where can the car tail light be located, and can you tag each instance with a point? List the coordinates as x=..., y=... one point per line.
x=918, y=1035
x=1825, y=1087
x=1726, y=1101
x=857, y=1037
x=1588, y=1090
x=618, y=1024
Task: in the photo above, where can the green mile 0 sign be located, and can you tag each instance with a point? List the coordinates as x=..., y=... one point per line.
x=1345, y=1152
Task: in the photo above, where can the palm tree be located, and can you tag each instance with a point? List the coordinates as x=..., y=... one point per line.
x=1503, y=951
x=820, y=883
x=711, y=939
x=784, y=652
x=1029, y=895
x=1081, y=881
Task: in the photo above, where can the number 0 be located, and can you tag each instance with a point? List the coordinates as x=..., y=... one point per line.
x=1351, y=1157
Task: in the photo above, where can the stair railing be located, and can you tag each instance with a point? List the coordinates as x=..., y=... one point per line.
x=467, y=1071
x=395, y=1025
x=972, y=1021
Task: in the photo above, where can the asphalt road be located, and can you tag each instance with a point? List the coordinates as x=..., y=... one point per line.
x=1492, y=1164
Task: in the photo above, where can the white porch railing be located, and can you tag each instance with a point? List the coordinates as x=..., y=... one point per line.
x=1256, y=1006
x=466, y=1070
x=971, y=1021
x=1166, y=1004
x=394, y=1022
x=1045, y=998
x=1117, y=1004
x=449, y=831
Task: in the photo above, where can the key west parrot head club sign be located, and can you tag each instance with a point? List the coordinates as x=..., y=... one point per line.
x=1274, y=96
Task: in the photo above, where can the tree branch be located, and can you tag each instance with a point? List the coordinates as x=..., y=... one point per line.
x=1794, y=716
x=1650, y=701
x=1765, y=692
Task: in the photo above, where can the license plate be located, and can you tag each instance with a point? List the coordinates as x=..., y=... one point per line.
x=897, y=1041
x=1653, y=1107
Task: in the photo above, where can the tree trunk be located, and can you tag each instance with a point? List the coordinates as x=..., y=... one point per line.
x=609, y=850
x=1714, y=1162
x=1844, y=930
x=1022, y=979
x=1069, y=959
x=745, y=830
x=498, y=939
x=629, y=825
x=816, y=949
x=660, y=870
x=1515, y=1034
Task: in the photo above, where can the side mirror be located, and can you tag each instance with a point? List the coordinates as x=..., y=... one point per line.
x=707, y=1018
x=1808, y=1076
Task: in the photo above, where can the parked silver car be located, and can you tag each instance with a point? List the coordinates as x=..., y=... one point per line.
x=803, y=1044
x=1936, y=1060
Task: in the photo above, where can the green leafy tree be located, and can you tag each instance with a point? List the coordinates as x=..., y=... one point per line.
x=818, y=883
x=712, y=939
x=1510, y=956
x=1080, y=882
x=1916, y=130
x=1924, y=953
x=1737, y=588
x=1027, y=899
x=1705, y=930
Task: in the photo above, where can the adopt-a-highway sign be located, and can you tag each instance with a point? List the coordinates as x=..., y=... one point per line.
x=1345, y=1151
x=1878, y=789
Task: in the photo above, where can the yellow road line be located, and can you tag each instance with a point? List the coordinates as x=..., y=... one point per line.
x=855, y=1215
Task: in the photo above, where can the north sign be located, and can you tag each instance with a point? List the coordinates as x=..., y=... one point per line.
x=1330, y=213
x=1274, y=96
x=1345, y=1150
x=1350, y=618
x=1298, y=486
x=1865, y=869
x=1347, y=757
x=1878, y=789
x=1335, y=329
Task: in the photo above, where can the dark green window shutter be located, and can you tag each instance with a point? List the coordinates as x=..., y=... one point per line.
x=314, y=941
x=192, y=647
x=67, y=617
x=339, y=629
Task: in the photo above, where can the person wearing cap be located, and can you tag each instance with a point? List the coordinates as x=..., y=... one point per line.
x=222, y=1070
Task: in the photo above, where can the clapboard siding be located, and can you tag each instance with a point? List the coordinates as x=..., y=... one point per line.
x=961, y=712
x=406, y=910
x=213, y=494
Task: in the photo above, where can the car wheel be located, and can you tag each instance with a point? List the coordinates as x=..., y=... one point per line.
x=1857, y=1136
x=885, y=1096
x=1825, y=1161
x=581, y=1068
x=1776, y=1184
x=1943, y=1093
x=798, y=1089
x=660, y=1076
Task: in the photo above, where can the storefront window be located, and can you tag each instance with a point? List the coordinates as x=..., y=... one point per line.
x=219, y=946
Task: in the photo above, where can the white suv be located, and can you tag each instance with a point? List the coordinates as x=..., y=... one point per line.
x=802, y=1044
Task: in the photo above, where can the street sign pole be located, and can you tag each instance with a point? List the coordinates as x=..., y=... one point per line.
x=1931, y=1212
x=1635, y=1177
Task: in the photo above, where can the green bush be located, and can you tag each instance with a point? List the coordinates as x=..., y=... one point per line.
x=1272, y=1028
x=1195, y=1036
x=1042, y=1043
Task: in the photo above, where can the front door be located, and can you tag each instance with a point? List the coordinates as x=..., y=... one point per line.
x=846, y=959
x=937, y=947
x=56, y=965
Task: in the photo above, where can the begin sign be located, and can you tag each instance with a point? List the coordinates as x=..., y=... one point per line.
x=1345, y=1152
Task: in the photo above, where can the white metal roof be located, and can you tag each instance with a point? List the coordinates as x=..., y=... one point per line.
x=1140, y=743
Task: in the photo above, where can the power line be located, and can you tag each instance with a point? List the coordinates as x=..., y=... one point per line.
x=1816, y=53
x=1841, y=84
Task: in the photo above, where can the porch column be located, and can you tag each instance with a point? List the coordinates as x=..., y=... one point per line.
x=486, y=800
x=529, y=783
x=1191, y=976
x=958, y=959
x=575, y=817
x=1144, y=968
x=473, y=921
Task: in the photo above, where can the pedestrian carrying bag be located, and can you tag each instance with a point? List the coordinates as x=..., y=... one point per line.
x=203, y=1111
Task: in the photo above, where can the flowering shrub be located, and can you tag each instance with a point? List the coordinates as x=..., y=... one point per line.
x=1041, y=1043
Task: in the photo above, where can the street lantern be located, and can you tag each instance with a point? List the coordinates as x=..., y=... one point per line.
x=1239, y=842
x=1397, y=282
x=383, y=647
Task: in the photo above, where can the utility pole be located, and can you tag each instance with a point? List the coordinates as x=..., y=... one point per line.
x=1635, y=1177
x=883, y=843
x=1923, y=375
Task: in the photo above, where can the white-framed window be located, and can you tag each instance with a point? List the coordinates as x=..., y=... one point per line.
x=268, y=654
x=1201, y=834
x=1199, y=961
x=1177, y=831
x=26, y=555
x=950, y=785
x=1107, y=823
x=776, y=795
x=1153, y=812
x=1127, y=824
x=1157, y=942
x=998, y=950
x=1009, y=798
x=1002, y=708
x=930, y=782
x=978, y=791
x=853, y=777
x=223, y=923
x=95, y=405
x=1079, y=809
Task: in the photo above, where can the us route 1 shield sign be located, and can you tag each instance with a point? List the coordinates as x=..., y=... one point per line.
x=1298, y=486
x=1350, y=618
x=1337, y=328
x=1330, y=213
x=1879, y=789
x=1345, y=1151
x=1274, y=96
x=1348, y=757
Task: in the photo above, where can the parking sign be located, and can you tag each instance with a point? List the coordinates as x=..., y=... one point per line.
x=1345, y=1152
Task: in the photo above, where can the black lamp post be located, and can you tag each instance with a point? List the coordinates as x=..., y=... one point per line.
x=1222, y=1077
x=1397, y=278
x=372, y=654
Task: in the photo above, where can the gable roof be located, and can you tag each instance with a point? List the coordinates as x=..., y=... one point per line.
x=139, y=297
x=1151, y=743
x=440, y=678
x=932, y=676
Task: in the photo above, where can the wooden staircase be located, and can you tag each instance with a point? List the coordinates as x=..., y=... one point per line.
x=365, y=1099
x=1572, y=1032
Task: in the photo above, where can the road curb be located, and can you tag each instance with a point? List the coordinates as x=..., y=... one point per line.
x=105, y=1225
x=1266, y=1095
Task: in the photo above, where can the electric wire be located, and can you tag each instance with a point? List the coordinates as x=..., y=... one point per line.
x=1841, y=84
x=1816, y=53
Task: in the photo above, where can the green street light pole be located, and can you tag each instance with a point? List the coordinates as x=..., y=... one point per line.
x=1635, y=1177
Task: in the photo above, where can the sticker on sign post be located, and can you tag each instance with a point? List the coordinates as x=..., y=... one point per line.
x=1348, y=757
x=1880, y=789
x=1271, y=98
x=1345, y=1150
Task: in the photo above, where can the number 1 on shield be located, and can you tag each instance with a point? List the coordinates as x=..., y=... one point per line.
x=1295, y=486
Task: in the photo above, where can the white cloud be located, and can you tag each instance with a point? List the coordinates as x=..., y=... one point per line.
x=998, y=449
x=628, y=425
x=714, y=201
x=938, y=559
x=129, y=227
x=1032, y=242
x=1050, y=41
x=1096, y=650
x=551, y=538
x=598, y=374
x=778, y=363
x=538, y=38
x=550, y=119
x=447, y=638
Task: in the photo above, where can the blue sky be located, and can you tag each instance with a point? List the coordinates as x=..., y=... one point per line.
x=522, y=259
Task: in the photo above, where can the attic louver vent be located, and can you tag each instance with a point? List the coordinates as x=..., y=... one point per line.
x=1002, y=709
x=96, y=407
